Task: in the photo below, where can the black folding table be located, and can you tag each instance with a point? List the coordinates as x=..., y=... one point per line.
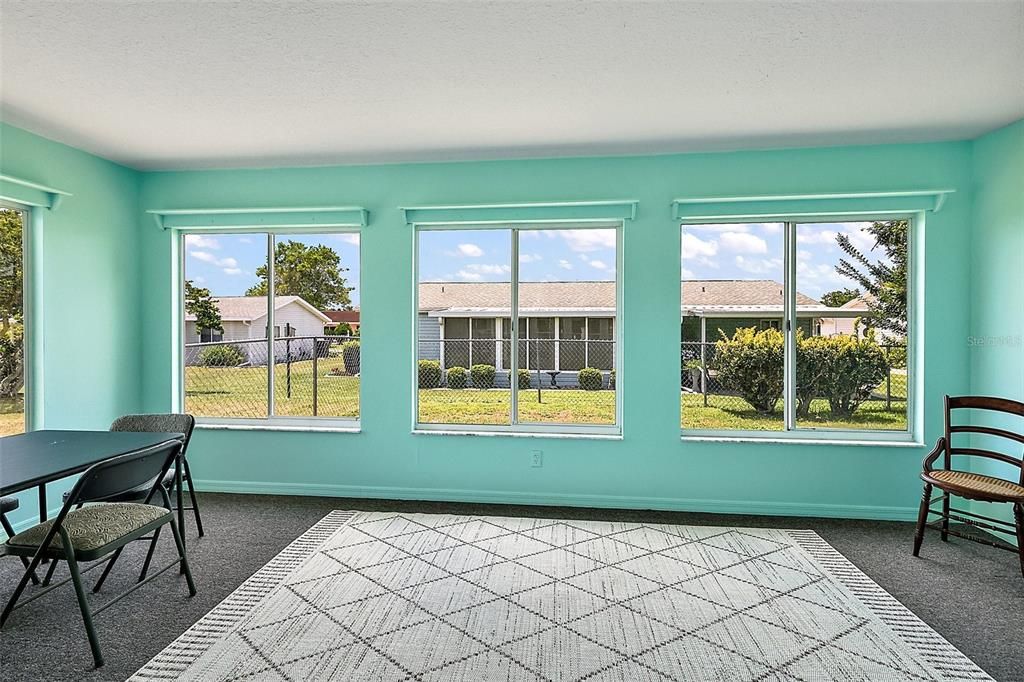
x=31, y=460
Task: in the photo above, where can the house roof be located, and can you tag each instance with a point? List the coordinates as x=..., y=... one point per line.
x=249, y=308
x=721, y=296
x=349, y=316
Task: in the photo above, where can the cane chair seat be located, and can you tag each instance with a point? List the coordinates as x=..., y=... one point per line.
x=988, y=487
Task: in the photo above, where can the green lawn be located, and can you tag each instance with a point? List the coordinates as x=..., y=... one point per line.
x=239, y=392
x=12, y=416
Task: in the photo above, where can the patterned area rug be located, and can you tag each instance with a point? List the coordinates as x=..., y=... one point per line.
x=386, y=596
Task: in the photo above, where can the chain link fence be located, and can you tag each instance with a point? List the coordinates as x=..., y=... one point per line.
x=707, y=403
x=560, y=381
x=314, y=376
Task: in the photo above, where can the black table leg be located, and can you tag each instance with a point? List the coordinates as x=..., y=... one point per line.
x=42, y=502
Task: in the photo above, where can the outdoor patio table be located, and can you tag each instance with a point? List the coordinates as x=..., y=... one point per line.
x=31, y=460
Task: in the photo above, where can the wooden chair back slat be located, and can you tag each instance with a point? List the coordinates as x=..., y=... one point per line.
x=978, y=452
x=987, y=430
x=980, y=402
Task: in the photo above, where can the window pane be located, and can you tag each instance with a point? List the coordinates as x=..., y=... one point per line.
x=463, y=271
x=852, y=362
x=731, y=364
x=316, y=361
x=572, y=347
x=572, y=272
x=483, y=348
x=226, y=377
x=601, y=347
x=12, y=322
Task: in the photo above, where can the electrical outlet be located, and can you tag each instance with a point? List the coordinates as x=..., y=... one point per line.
x=536, y=458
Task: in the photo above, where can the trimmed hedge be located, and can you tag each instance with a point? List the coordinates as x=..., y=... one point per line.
x=590, y=379
x=751, y=363
x=482, y=376
x=429, y=373
x=457, y=378
x=221, y=356
x=524, y=378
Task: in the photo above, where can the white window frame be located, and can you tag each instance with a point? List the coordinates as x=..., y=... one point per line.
x=913, y=434
x=516, y=427
x=271, y=421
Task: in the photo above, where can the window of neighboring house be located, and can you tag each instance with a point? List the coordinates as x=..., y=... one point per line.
x=226, y=276
x=558, y=374
x=745, y=371
x=13, y=366
x=208, y=335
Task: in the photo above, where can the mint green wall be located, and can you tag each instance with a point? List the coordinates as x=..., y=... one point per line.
x=996, y=343
x=90, y=274
x=649, y=467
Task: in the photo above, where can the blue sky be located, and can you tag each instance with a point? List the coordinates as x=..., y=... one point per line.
x=226, y=263
x=755, y=251
x=544, y=255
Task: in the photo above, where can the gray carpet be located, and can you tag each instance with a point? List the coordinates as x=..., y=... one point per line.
x=972, y=595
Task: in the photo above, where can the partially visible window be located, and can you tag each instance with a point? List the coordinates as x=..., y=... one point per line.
x=12, y=321
x=771, y=324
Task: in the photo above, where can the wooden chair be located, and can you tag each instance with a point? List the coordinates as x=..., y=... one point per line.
x=973, y=486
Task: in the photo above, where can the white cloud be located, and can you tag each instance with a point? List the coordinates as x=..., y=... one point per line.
x=199, y=279
x=198, y=241
x=771, y=267
x=564, y=264
x=695, y=247
x=585, y=240
x=349, y=238
x=584, y=257
x=469, y=250
x=742, y=242
x=600, y=265
x=245, y=240
x=232, y=271
x=488, y=269
x=467, y=276
x=688, y=274
x=229, y=265
x=529, y=257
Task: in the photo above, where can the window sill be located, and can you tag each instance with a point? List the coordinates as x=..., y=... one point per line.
x=305, y=427
x=802, y=440
x=517, y=434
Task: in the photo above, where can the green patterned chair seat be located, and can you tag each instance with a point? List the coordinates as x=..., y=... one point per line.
x=94, y=526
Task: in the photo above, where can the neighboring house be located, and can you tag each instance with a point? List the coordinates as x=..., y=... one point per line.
x=349, y=317
x=244, y=319
x=861, y=306
x=571, y=325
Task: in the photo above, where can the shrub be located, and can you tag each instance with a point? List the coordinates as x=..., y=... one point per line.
x=343, y=329
x=896, y=353
x=751, y=363
x=590, y=379
x=350, y=356
x=858, y=366
x=221, y=356
x=457, y=377
x=429, y=373
x=524, y=378
x=482, y=376
x=814, y=359
x=611, y=380
x=12, y=362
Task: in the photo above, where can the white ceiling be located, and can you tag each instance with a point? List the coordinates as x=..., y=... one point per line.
x=246, y=83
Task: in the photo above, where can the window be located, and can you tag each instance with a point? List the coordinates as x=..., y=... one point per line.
x=12, y=321
x=796, y=327
x=559, y=375
x=296, y=372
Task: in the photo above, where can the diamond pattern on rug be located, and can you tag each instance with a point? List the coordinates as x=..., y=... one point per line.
x=388, y=596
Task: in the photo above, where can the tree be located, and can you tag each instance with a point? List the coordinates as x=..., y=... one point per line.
x=313, y=273
x=839, y=297
x=200, y=303
x=885, y=281
x=12, y=303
